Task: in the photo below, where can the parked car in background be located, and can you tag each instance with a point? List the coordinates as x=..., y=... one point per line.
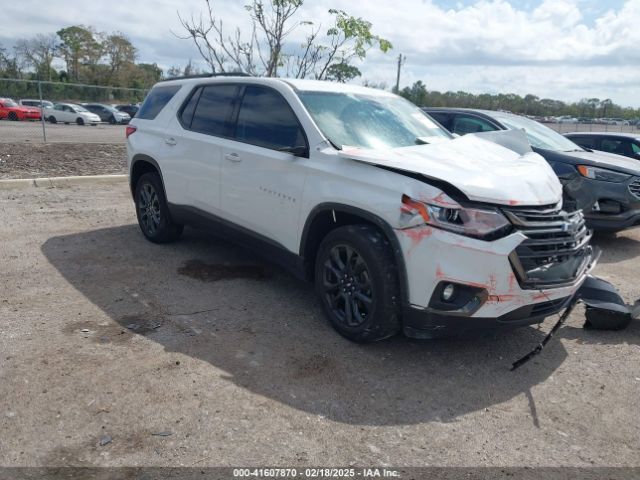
x=567, y=119
x=11, y=110
x=626, y=144
x=107, y=113
x=401, y=226
x=605, y=186
x=71, y=113
x=28, y=102
x=617, y=121
x=130, y=109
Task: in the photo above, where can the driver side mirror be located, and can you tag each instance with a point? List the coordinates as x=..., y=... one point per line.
x=297, y=151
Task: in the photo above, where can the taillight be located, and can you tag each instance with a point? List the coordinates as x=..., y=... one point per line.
x=130, y=129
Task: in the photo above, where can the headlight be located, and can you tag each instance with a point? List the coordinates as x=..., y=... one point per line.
x=472, y=222
x=603, y=174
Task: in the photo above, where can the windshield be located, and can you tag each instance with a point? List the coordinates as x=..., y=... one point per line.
x=9, y=103
x=539, y=136
x=370, y=121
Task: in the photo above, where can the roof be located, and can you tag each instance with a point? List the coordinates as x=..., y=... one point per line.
x=326, y=86
x=298, y=84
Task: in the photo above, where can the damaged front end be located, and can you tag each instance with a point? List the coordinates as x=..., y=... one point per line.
x=556, y=250
x=604, y=310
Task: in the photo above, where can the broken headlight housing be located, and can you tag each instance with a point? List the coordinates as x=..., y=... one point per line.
x=480, y=223
x=603, y=174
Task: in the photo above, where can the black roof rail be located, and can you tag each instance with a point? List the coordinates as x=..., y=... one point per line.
x=208, y=75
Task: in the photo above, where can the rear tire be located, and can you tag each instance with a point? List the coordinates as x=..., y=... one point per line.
x=356, y=279
x=13, y=117
x=152, y=211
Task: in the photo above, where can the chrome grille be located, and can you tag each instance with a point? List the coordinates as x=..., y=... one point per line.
x=556, y=250
x=634, y=188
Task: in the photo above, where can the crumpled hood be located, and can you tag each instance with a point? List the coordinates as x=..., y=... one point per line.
x=482, y=170
x=606, y=160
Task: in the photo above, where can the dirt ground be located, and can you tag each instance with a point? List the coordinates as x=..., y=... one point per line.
x=26, y=160
x=118, y=352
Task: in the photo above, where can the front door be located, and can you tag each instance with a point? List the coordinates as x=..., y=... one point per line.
x=263, y=170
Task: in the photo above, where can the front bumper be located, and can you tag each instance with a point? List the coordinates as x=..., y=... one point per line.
x=613, y=222
x=428, y=324
x=595, y=198
x=434, y=256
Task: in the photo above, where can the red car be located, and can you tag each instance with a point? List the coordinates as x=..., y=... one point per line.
x=11, y=110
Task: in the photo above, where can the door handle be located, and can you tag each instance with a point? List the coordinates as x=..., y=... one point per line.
x=232, y=157
x=170, y=141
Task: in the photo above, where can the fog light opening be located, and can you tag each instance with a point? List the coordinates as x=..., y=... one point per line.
x=448, y=292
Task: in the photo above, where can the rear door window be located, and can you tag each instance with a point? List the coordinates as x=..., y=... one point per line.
x=156, y=100
x=214, y=110
x=619, y=147
x=266, y=120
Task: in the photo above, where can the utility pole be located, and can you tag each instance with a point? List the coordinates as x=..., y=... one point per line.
x=401, y=60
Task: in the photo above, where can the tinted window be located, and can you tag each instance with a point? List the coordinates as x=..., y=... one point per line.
x=213, y=110
x=266, y=120
x=587, y=142
x=187, y=111
x=464, y=124
x=442, y=118
x=613, y=146
x=157, y=98
x=635, y=148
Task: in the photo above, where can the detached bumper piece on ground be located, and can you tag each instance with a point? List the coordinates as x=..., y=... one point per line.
x=605, y=310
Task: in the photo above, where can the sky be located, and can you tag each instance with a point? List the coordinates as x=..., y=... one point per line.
x=561, y=49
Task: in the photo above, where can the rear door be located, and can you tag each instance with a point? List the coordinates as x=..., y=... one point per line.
x=261, y=181
x=201, y=129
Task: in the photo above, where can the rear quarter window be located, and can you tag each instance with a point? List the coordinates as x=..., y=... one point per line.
x=156, y=100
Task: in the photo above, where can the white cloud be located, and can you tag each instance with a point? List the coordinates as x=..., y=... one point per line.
x=548, y=49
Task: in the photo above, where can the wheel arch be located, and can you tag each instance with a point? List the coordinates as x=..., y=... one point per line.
x=141, y=164
x=326, y=217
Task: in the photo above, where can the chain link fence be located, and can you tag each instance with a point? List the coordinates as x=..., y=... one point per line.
x=51, y=125
x=614, y=126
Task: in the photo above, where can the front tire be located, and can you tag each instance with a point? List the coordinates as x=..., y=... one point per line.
x=52, y=119
x=357, y=281
x=80, y=121
x=13, y=116
x=112, y=120
x=152, y=211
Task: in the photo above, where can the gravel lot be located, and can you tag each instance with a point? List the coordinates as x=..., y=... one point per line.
x=24, y=160
x=199, y=353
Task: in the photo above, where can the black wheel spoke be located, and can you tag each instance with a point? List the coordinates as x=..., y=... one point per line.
x=346, y=284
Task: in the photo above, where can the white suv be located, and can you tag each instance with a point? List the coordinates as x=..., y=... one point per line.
x=400, y=225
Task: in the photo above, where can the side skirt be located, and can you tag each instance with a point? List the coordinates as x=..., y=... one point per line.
x=271, y=251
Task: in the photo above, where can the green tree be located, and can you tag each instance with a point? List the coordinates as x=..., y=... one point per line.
x=342, y=72
x=262, y=52
x=121, y=56
x=78, y=47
